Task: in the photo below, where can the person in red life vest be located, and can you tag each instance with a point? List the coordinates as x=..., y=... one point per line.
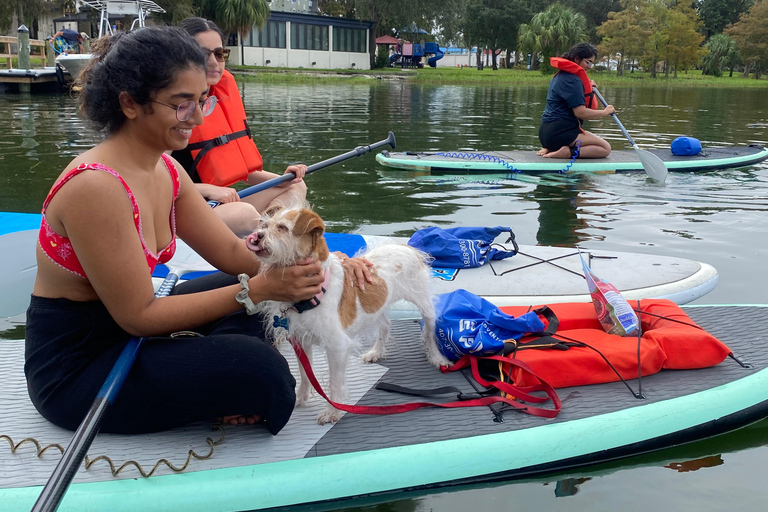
x=570, y=102
x=221, y=151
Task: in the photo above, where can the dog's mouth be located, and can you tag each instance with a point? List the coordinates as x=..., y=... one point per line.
x=254, y=243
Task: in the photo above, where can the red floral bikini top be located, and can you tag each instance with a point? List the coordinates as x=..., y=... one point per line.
x=59, y=248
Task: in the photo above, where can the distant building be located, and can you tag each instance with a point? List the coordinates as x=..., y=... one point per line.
x=294, y=38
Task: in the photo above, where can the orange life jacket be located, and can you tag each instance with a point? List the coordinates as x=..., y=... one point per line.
x=670, y=340
x=223, y=150
x=571, y=67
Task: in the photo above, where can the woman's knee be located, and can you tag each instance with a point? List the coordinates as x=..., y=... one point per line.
x=241, y=217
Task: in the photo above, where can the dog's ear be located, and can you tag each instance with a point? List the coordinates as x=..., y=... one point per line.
x=272, y=210
x=308, y=222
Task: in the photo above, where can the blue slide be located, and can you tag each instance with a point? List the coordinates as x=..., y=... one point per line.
x=434, y=49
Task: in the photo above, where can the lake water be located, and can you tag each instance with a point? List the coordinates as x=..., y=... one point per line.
x=715, y=217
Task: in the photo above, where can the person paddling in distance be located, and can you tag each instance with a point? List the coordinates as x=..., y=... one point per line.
x=215, y=166
x=112, y=215
x=570, y=102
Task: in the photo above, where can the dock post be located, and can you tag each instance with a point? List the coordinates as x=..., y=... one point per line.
x=50, y=54
x=24, y=55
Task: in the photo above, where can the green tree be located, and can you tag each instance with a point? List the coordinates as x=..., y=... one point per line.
x=751, y=36
x=595, y=12
x=721, y=52
x=494, y=24
x=235, y=16
x=176, y=10
x=551, y=33
x=683, y=48
x=718, y=14
x=623, y=37
x=26, y=12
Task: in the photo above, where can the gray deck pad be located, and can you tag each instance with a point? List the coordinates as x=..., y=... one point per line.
x=242, y=445
x=744, y=329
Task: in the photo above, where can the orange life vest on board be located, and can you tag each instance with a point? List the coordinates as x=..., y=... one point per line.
x=223, y=150
x=670, y=340
x=571, y=67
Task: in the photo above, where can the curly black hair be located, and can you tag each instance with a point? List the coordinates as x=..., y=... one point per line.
x=139, y=63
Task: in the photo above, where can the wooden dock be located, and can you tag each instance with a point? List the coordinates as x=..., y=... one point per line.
x=28, y=79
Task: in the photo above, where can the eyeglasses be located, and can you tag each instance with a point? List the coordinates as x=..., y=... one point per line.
x=221, y=54
x=589, y=63
x=186, y=109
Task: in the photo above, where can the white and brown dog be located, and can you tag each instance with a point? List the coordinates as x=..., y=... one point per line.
x=344, y=311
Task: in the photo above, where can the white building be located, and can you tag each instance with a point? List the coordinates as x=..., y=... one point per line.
x=297, y=40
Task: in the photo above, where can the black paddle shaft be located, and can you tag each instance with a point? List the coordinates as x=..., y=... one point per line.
x=358, y=151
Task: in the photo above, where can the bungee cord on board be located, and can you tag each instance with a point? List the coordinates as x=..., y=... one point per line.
x=513, y=171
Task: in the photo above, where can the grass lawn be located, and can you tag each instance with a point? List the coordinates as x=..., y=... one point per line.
x=471, y=75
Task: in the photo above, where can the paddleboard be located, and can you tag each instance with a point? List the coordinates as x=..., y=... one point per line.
x=537, y=274
x=379, y=457
x=619, y=161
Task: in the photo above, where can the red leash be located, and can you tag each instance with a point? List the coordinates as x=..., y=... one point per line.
x=487, y=400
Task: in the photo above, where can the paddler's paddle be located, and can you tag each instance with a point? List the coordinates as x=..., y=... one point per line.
x=358, y=151
x=653, y=165
x=185, y=260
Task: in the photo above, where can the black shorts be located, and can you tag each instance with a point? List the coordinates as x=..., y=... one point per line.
x=231, y=369
x=556, y=134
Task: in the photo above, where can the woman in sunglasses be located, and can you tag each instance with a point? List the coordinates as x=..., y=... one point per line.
x=109, y=219
x=570, y=102
x=221, y=151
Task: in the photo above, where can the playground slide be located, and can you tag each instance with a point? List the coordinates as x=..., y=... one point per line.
x=432, y=61
x=432, y=48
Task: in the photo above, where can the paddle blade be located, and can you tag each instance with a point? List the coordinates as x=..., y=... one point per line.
x=653, y=165
x=185, y=259
x=18, y=271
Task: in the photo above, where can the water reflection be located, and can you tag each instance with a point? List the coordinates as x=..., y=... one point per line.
x=715, y=217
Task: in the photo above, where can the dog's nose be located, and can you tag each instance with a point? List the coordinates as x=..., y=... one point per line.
x=260, y=235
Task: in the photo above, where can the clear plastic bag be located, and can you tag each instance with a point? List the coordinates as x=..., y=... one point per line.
x=614, y=312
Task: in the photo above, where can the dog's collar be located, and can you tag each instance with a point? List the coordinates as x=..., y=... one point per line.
x=306, y=305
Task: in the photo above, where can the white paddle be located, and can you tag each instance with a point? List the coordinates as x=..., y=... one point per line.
x=653, y=165
x=17, y=273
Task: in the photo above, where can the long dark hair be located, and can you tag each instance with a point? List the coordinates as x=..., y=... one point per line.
x=581, y=51
x=139, y=63
x=195, y=25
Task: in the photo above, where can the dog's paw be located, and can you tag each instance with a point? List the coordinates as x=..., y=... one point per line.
x=302, y=396
x=329, y=415
x=439, y=361
x=371, y=356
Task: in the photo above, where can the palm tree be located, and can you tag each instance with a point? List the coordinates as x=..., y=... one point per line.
x=551, y=33
x=722, y=52
x=236, y=16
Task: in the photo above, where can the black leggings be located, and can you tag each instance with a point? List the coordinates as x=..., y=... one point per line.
x=231, y=369
x=556, y=134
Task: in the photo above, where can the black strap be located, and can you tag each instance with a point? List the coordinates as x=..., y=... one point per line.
x=543, y=339
x=394, y=388
x=206, y=145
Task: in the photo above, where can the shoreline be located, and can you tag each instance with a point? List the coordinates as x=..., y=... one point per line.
x=473, y=76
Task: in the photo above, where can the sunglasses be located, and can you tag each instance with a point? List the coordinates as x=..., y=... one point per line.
x=186, y=109
x=221, y=54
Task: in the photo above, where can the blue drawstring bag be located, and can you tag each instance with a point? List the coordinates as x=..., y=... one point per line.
x=468, y=324
x=461, y=247
x=685, y=146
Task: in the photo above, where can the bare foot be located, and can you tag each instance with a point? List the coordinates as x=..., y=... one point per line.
x=241, y=420
x=563, y=152
x=542, y=152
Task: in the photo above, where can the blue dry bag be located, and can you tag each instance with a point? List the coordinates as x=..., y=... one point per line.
x=468, y=324
x=461, y=247
x=686, y=146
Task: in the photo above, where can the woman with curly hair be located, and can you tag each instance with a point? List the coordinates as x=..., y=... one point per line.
x=110, y=218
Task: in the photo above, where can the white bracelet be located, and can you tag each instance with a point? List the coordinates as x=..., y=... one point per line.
x=242, y=296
